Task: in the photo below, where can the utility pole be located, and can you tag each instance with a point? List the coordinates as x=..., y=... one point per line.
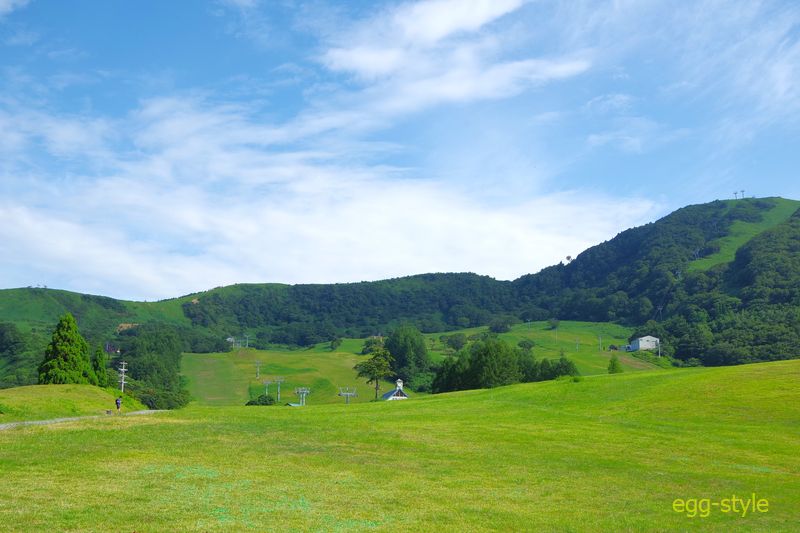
x=246, y=340
x=279, y=380
x=347, y=392
x=302, y=392
x=600, y=339
x=742, y=191
x=267, y=383
x=258, y=369
x=122, y=370
x=577, y=342
x=735, y=195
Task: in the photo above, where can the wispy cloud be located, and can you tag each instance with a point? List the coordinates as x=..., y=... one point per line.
x=201, y=198
x=608, y=103
x=428, y=53
x=7, y=6
x=184, y=189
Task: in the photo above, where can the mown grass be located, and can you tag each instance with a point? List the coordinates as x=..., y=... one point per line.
x=741, y=232
x=230, y=378
x=609, y=453
x=40, y=402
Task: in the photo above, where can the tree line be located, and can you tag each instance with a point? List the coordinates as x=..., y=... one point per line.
x=485, y=361
x=736, y=312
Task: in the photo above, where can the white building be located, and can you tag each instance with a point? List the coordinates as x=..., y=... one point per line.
x=644, y=343
x=396, y=394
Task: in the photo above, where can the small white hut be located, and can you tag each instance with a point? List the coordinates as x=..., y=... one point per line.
x=396, y=394
x=644, y=343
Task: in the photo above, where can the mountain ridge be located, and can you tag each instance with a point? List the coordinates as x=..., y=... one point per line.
x=647, y=277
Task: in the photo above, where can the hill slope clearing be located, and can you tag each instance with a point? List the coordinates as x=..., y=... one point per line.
x=741, y=232
x=608, y=453
x=229, y=378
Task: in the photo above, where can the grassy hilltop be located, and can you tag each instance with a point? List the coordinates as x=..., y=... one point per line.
x=608, y=453
x=40, y=402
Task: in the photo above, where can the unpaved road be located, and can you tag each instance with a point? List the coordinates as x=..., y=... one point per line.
x=11, y=425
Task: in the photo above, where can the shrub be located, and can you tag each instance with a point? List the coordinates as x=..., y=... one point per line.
x=264, y=399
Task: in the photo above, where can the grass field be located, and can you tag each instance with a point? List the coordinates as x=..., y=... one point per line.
x=39, y=402
x=230, y=378
x=741, y=232
x=608, y=453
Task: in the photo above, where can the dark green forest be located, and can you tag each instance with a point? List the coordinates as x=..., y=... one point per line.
x=737, y=312
x=650, y=277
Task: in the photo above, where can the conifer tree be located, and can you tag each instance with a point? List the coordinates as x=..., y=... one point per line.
x=100, y=367
x=614, y=366
x=66, y=359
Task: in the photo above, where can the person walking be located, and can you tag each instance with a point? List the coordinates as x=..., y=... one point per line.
x=119, y=403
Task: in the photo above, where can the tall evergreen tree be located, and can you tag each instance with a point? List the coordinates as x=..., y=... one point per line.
x=66, y=359
x=100, y=367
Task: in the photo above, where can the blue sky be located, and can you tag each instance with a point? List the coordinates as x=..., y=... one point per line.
x=150, y=149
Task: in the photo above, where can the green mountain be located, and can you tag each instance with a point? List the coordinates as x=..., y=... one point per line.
x=716, y=282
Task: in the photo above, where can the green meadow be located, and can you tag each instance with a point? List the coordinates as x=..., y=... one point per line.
x=230, y=378
x=605, y=453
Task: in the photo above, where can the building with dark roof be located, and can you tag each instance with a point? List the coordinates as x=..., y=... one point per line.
x=396, y=394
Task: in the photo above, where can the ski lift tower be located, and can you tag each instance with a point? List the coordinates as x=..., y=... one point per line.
x=278, y=380
x=347, y=392
x=302, y=392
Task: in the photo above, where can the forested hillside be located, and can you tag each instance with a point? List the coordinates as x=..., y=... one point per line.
x=717, y=282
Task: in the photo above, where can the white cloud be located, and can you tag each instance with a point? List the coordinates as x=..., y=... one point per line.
x=608, y=103
x=421, y=55
x=430, y=21
x=7, y=6
x=636, y=135
x=181, y=194
x=21, y=38
x=206, y=201
x=240, y=4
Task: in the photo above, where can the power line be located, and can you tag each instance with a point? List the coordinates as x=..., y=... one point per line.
x=122, y=370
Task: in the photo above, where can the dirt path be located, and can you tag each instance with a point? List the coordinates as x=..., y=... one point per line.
x=10, y=425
